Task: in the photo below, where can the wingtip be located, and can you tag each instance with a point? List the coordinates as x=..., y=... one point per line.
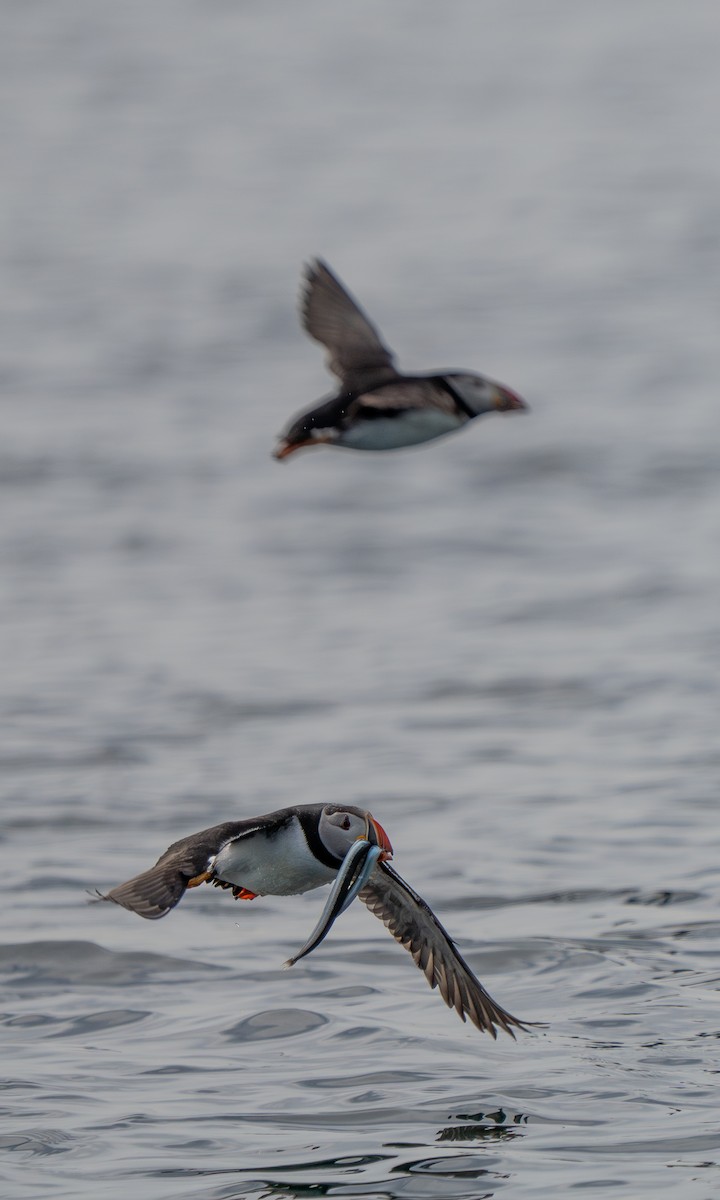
x=309, y=277
x=313, y=271
x=510, y=1024
x=315, y=263
x=310, y=272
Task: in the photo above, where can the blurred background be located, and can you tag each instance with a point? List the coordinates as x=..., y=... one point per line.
x=505, y=644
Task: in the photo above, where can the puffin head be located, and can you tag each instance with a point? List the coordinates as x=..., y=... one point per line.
x=341, y=825
x=309, y=429
x=483, y=395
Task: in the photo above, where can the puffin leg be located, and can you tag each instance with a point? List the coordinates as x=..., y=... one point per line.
x=241, y=893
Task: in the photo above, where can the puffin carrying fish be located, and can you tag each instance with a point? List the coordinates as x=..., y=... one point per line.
x=303, y=847
x=377, y=407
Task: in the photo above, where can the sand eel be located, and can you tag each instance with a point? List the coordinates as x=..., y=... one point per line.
x=377, y=407
x=297, y=849
x=355, y=871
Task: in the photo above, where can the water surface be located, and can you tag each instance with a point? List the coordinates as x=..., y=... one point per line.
x=506, y=645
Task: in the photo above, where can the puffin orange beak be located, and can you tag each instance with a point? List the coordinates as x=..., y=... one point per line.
x=507, y=401
x=380, y=838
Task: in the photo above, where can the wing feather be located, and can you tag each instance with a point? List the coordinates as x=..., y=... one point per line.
x=153, y=893
x=414, y=925
x=356, y=353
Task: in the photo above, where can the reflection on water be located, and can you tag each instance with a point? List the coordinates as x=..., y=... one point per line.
x=484, y=1127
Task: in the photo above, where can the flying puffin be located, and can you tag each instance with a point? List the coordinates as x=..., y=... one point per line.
x=303, y=847
x=376, y=407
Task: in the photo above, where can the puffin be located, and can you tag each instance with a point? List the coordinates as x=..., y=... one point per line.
x=300, y=848
x=376, y=407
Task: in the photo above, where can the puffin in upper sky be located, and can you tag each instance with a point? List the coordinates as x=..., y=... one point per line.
x=378, y=408
x=296, y=849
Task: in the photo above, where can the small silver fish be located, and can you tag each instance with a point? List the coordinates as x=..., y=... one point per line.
x=356, y=869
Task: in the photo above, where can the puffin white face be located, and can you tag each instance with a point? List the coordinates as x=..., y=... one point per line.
x=340, y=827
x=483, y=395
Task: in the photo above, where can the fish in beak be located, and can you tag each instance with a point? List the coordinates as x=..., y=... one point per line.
x=357, y=867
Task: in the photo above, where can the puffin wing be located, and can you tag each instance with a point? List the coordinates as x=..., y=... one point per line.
x=356, y=354
x=414, y=925
x=187, y=862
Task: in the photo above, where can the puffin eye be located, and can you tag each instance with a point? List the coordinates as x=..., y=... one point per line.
x=345, y=822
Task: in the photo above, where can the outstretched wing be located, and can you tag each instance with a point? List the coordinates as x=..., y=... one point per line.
x=415, y=926
x=356, y=353
x=153, y=893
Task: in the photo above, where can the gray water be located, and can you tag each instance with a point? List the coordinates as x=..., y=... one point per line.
x=505, y=644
